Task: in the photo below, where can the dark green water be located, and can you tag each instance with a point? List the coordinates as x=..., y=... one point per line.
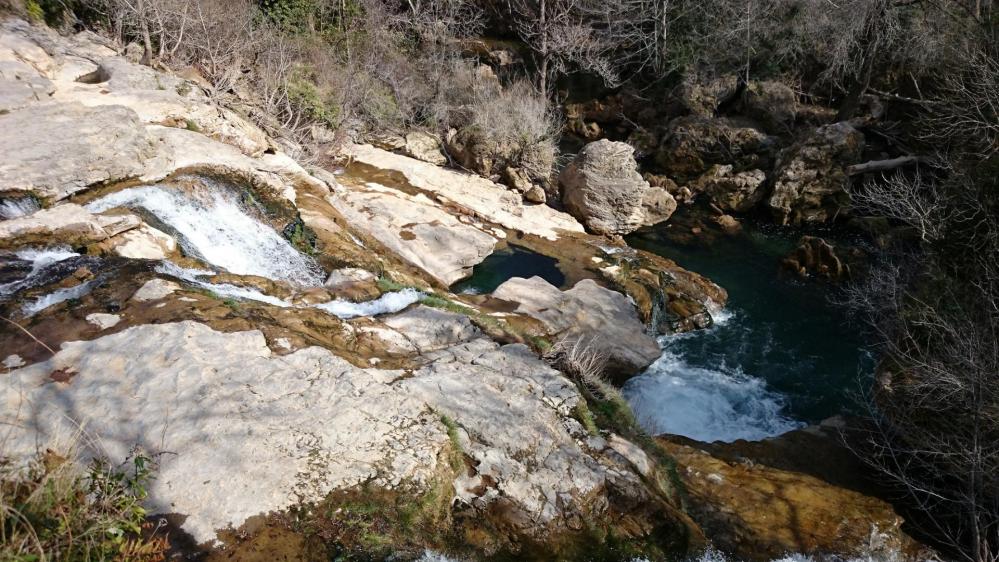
x=780, y=355
x=512, y=261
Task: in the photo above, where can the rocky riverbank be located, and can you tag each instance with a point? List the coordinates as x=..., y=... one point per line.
x=282, y=340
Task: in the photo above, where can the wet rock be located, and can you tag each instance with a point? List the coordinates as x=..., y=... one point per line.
x=802, y=492
x=732, y=191
x=693, y=144
x=143, y=242
x=346, y=277
x=95, y=145
x=598, y=317
x=810, y=179
x=814, y=257
x=68, y=224
x=155, y=289
x=425, y=147
x=603, y=189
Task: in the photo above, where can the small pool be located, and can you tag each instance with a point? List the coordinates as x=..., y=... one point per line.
x=506, y=263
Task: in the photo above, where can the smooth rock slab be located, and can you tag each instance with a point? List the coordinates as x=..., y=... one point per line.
x=103, y=321
x=473, y=194
x=54, y=150
x=599, y=317
x=155, y=289
x=417, y=230
x=235, y=430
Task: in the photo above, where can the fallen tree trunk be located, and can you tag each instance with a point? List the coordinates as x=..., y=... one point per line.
x=881, y=165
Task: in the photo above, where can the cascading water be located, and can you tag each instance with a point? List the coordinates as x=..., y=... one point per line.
x=15, y=207
x=40, y=259
x=212, y=224
x=778, y=356
x=719, y=403
x=385, y=304
x=215, y=227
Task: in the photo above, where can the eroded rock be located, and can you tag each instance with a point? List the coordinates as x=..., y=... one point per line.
x=599, y=317
x=244, y=432
x=68, y=224
x=732, y=191
x=693, y=144
x=417, y=230
x=603, y=189
x=810, y=179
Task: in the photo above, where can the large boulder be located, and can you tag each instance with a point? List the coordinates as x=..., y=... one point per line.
x=598, y=317
x=603, y=189
x=810, y=179
x=693, y=144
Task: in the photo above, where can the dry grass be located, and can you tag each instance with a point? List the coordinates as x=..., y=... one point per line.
x=58, y=509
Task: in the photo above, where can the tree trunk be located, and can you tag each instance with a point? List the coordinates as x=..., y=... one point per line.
x=857, y=88
x=147, y=43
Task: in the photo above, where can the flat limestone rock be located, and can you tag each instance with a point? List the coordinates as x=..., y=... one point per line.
x=56, y=149
x=103, y=320
x=238, y=431
x=66, y=224
x=155, y=289
x=245, y=432
x=588, y=312
x=473, y=194
x=417, y=230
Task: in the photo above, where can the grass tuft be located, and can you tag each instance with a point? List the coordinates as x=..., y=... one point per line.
x=57, y=509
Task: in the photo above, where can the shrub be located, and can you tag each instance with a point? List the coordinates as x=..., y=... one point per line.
x=58, y=509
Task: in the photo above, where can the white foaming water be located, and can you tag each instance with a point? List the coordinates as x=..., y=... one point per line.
x=40, y=258
x=385, y=304
x=708, y=405
x=216, y=228
x=14, y=208
x=56, y=297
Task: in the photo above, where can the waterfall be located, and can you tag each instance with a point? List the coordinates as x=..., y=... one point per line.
x=40, y=259
x=215, y=227
x=17, y=207
x=707, y=402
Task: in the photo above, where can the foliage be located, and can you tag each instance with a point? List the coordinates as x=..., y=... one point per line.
x=56, y=509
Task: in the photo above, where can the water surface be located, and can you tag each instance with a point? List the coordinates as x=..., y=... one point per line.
x=781, y=354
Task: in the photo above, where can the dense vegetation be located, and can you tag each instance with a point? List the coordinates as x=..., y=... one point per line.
x=921, y=75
